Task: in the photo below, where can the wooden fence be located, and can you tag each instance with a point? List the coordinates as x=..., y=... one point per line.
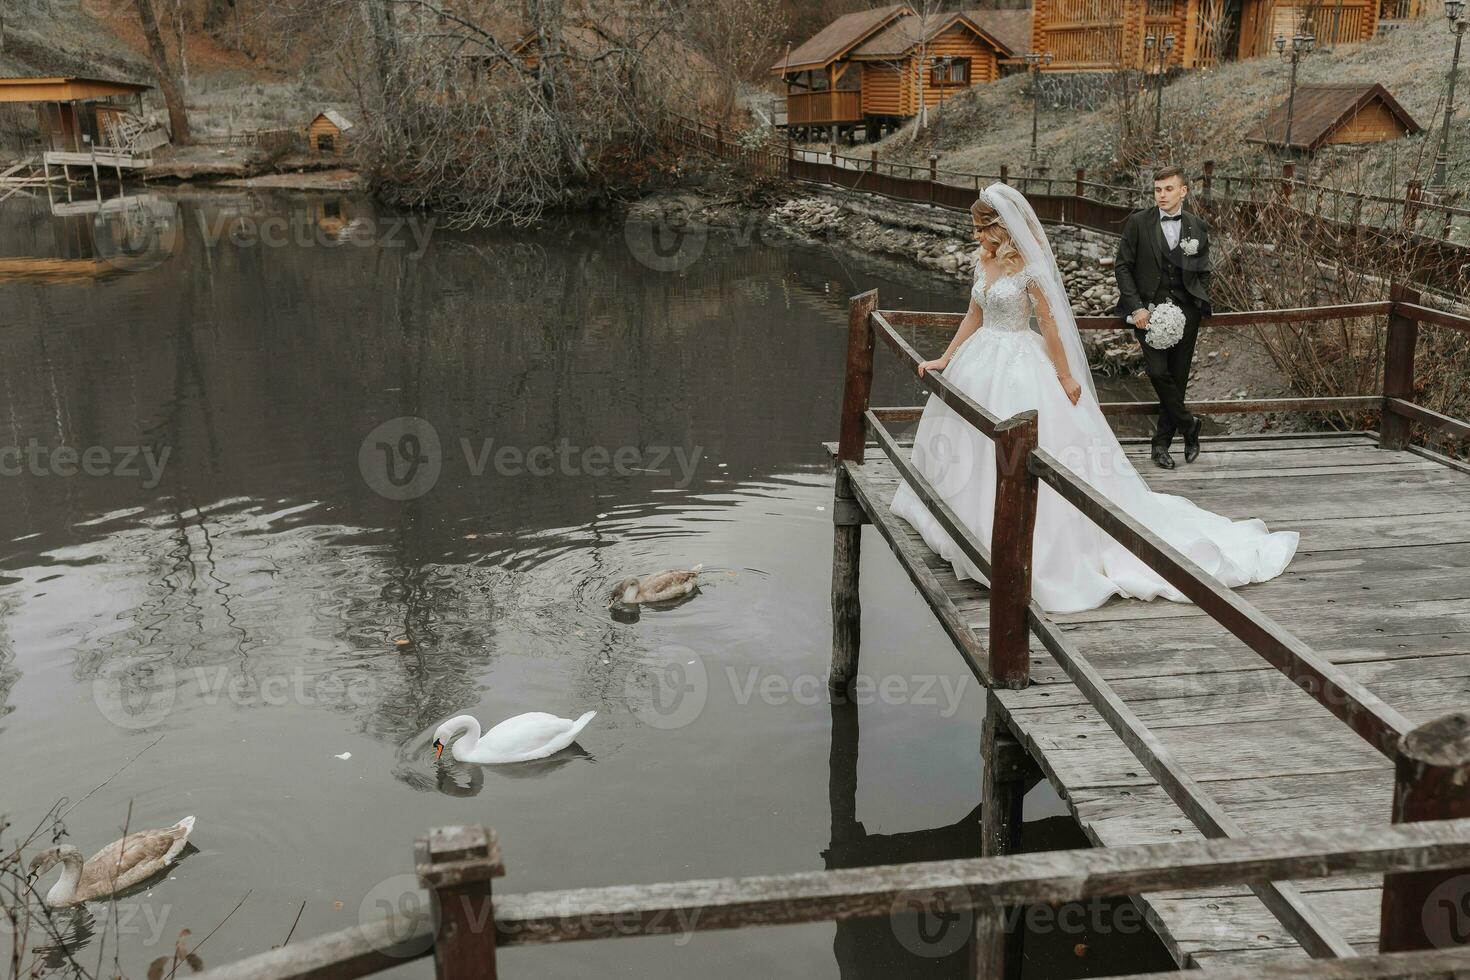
x=1434, y=226
x=462, y=925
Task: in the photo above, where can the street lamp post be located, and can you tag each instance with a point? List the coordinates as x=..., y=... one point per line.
x=1301, y=46
x=1452, y=9
x=1034, y=59
x=1153, y=44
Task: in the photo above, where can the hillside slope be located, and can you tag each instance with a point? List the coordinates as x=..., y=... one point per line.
x=1207, y=114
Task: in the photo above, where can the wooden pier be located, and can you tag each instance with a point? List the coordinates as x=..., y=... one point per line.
x=1279, y=707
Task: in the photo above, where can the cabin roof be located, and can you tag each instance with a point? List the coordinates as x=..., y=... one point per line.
x=839, y=37
x=1320, y=110
x=1008, y=31
x=334, y=117
x=65, y=88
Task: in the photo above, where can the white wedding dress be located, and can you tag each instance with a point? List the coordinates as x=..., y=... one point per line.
x=1004, y=367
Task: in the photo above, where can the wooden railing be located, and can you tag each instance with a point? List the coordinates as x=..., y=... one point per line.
x=1073, y=198
x=1014, y=616
x=464, y=923
x=839, y=105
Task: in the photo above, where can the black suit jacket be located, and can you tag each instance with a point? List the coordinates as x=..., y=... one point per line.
x=1143, y=251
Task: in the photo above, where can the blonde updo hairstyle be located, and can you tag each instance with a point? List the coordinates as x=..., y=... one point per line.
x=995, y=240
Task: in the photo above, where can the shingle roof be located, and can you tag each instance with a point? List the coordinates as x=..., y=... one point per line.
x=834, y=40
x=1320, y=109
x=1009, y=29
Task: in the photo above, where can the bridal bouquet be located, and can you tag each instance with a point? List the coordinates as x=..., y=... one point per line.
x=1165, y=325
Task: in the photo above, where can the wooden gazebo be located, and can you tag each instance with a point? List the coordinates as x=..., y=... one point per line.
x=1335, y=114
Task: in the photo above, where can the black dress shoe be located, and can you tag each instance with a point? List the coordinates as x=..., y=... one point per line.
x=1191, y=441
x=1162, y=459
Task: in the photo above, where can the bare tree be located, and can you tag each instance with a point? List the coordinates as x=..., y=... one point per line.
x=173, y=97
x=737, y=37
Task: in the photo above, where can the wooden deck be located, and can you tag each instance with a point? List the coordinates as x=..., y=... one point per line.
x=1380, y=585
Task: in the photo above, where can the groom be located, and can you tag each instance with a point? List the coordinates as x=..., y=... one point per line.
x=1165, y=255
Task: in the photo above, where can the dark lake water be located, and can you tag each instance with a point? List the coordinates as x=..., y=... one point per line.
x=245, y=458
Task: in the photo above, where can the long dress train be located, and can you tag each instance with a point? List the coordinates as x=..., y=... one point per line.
x=1075, y=565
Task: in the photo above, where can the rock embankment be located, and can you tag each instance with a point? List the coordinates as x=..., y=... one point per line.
x=940, y=239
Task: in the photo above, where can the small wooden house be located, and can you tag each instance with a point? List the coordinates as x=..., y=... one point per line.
x=873, y=67
x=1323, y=115
x=328, y=132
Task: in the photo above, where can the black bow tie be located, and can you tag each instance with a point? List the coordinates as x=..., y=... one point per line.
x=1171, y=217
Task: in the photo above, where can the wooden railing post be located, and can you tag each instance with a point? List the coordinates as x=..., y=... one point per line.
x=873, y=162
x=1010, y=552
x=1077, y=188
x=1209, y=176
x=858, y=382
x=1398, y=369
x=1005, y=174
x=457, y=864
x=847, y=515
x=1288, y=174
x=933, y=175
x=1008, y=772
x=1429, y=909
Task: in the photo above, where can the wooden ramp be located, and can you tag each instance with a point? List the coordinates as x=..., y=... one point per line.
x=1380, y=586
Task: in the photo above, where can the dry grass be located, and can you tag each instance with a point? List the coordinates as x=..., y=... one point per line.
x=1206, y=115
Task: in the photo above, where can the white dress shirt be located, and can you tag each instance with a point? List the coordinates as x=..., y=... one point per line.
x=1172, y=228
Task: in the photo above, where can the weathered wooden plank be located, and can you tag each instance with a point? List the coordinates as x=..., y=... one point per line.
x=1288, y=964
x=1279, y=748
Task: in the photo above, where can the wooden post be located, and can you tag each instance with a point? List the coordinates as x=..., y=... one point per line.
x=858, y=382
x=1209, y=178
x=847, y=607
x=1005, y=174
x=1008, y=774
x=832, y=152
x=873, y=163
x=1010, y=552
x=1429, y=909
x=1288, y=173
x=1412, y=194
x=1398, y=368
x=457, y=865
x=847, y=516
x=1077, y=188
x=933, y=175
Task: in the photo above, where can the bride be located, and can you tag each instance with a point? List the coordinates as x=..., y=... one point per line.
x=998, y=360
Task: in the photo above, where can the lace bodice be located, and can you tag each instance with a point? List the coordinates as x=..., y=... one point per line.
x=1004, y=302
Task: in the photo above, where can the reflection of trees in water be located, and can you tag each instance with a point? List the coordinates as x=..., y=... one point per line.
x=8, y=672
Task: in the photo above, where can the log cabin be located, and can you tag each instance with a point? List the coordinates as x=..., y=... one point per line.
x=1106, y=35
x=874, y=68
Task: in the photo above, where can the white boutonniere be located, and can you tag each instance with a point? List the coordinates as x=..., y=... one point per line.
x=1190, y=246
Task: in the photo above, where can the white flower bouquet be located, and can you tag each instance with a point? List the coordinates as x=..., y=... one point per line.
x=1165, y=325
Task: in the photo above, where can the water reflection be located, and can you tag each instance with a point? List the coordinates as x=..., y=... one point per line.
x=244, y=598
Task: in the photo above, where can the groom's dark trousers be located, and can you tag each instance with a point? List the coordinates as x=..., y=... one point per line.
x=1168, y=370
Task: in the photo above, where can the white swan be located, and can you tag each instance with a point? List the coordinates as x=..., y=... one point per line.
x=119, y=865
x=533, y=735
